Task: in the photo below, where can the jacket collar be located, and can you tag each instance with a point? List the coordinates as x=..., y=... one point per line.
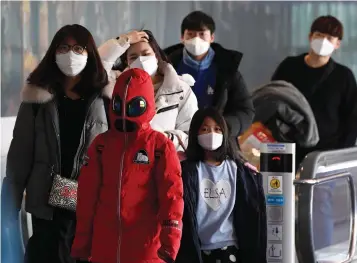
x=37, y=94
x=227, y=60
x=171, y=83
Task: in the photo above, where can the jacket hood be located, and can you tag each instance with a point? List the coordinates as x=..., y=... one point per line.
x=226, y=59
x=37, y=94
x=286, y=112
x=131, y=85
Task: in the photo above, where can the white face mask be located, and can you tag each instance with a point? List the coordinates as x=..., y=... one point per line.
x=70, y=63
x=210, y=141
x=196, y=46
x=147, y=63
x=322, y=47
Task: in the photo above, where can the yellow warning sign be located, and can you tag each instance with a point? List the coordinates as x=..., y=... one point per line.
x=275, y=185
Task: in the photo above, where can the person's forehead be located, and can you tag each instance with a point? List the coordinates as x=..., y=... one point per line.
x=324, y=34
x=139, y=47
x=208, y=121
x=69, y=41
x=202, y=30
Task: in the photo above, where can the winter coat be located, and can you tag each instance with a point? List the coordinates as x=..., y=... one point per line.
x=286, y=112
x=130, y=194
x=175, y=101
x=249, y=216
x=231, y=96
x=35, y=148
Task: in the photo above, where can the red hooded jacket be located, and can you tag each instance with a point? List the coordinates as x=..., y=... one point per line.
x=130, y=193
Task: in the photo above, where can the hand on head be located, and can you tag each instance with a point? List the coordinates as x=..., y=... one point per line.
x=137, y=36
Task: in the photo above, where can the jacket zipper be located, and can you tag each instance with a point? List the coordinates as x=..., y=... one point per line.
x=122, y=168
x=77, y=164
x=57, y=131
x=167, y=94
x=167, y=108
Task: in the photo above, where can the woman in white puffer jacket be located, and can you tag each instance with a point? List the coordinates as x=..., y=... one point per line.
x=175, y=101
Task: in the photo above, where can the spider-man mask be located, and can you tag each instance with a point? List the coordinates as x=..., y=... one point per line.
x=133, y=103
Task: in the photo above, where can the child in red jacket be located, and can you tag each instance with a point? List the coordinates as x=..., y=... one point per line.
x=130, y=194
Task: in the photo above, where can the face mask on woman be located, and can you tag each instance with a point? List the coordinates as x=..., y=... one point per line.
x=70, y=63
x=322, y=47
x=196, y=46
x=210, y=141
x=147, y=63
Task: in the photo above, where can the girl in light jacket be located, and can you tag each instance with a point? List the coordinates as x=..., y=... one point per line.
x=174, y=99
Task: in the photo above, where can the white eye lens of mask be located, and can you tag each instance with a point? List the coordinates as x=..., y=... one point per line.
x=70, y=63
x=147, y=63
x=210, y=141
x=322, y=47
x=196, y=46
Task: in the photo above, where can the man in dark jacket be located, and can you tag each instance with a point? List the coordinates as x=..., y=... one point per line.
x=215, y=69
x=329, y=87
x=331, y=91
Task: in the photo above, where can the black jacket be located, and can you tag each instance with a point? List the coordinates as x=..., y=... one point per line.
x=231, y=94
x=332, y=95
x=36, y=149
x=249, y=216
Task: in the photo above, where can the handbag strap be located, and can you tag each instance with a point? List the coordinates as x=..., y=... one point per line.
x=180, y=142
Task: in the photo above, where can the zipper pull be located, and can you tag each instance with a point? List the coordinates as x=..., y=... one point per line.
x=53, y=170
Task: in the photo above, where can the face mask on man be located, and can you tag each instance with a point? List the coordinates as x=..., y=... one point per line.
x=322, y=47
x=70, y=63
x=147, y=63
x=196, y=46
x=210, y=141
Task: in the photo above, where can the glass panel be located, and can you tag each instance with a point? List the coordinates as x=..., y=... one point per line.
x=265, y=32
x=331, y=218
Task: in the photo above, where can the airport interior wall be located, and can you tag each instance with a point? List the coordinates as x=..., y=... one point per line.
x=265, y=32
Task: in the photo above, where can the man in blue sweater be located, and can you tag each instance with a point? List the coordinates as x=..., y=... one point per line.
x=219, y=84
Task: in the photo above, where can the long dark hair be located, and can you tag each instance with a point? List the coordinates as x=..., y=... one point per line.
x=195, y=152
x=48, y=76
x=160, y=54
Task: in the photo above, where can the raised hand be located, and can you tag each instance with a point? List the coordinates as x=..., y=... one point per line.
x=137, y=36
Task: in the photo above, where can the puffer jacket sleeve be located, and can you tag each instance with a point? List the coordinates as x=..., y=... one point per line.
x=184, y=117
x=170, y=193
x=109, y=52
x=88, y=194
x=19, y=160
x=239, y=111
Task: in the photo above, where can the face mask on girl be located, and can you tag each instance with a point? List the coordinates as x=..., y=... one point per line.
x=210, y=141
x=196, y=46
x=70, y=63
x=322, y=47
x=147, y=63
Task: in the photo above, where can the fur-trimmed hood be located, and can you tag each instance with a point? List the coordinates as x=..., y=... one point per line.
x=36, y=94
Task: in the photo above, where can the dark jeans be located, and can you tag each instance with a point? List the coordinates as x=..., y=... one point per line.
x=52, y=240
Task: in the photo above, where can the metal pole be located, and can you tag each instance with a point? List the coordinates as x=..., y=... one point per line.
x=277, y=164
